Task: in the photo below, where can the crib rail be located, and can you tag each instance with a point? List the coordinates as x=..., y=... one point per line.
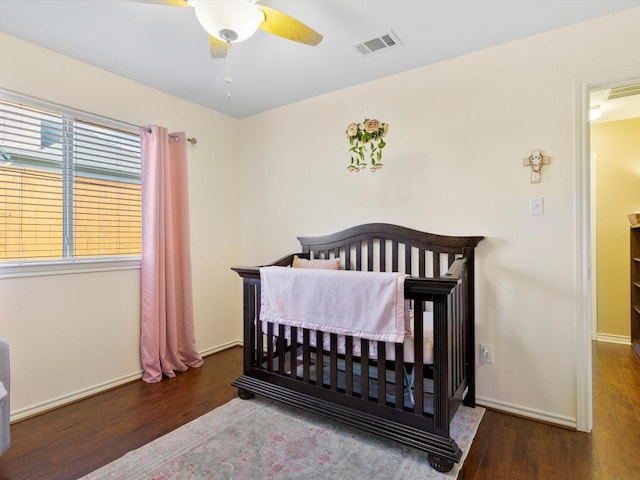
x=366, y=383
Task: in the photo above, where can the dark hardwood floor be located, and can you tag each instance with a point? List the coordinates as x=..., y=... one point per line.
x=74, y=440
x=507, y=447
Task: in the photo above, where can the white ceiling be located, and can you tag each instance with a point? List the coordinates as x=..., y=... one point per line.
x=615, y=109
x=166, y=48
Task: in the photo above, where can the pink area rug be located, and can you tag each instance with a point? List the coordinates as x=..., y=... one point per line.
x=261, y=439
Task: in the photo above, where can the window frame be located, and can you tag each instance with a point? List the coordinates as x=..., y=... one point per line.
x=62, y=266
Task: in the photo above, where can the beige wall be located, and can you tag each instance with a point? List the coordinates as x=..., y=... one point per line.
x=616, y=146
x=74, y=334
x=453, y=165
x=459, y=131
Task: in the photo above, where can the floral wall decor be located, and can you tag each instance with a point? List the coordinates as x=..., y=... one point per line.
x=367, y=141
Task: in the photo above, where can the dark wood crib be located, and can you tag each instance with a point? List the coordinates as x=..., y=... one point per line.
x=411, y=403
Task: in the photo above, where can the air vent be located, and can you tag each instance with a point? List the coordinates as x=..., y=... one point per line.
x=621, y=92
x=386, y=40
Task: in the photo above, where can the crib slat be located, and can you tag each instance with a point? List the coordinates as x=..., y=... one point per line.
x=270, y=346
x=399, y=376
x=257, y=354
x=259, y=343
x=306, y=355
x=333, y=362
x=254, y=313
x=436, y=265
x=421, y=263
x=459, y=346
x=418, y=382
x=294, y=352
x=348, y=365
x=383, y=255
x=281, y=341
x=358, y=256
x=382, y=372
x=319, y=359
x=441, y=373
x=364, y=367
x=467, y=340
x=394, y=255
x=407, y=258
x=370, y=254
x=453, y=333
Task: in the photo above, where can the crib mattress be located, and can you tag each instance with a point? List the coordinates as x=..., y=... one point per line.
x=408, y=349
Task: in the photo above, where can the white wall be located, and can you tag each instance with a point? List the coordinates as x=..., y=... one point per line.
x=459, y=131
x=74, y=334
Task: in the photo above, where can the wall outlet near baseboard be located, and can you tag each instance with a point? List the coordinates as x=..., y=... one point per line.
x=486, y=353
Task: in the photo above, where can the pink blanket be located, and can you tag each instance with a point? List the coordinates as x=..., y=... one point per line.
x=360, y=304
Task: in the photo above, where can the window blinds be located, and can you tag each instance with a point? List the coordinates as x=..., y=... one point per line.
x=69, y=187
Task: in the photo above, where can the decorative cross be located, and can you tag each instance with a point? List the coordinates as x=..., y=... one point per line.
x=536, y=161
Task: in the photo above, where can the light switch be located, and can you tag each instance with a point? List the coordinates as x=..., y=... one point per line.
x=536, y=206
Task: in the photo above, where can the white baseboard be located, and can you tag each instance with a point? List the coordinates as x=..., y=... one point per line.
x=527, y=412
x=72, y=397
x=219, y=348
x=33, y=410
x=621, y=339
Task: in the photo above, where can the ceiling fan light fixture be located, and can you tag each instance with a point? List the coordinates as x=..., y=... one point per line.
x=230, y=21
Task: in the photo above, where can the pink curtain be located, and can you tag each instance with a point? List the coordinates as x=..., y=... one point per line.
x=167, y=334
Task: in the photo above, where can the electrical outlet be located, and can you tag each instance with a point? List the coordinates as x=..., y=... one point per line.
x=486, y=353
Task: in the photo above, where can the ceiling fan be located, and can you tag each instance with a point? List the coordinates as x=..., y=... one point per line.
x=232, y=21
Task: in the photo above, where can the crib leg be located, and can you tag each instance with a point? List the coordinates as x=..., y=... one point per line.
x=440, y=464
x=245, y=394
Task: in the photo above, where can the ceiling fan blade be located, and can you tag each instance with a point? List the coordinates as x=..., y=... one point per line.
x=284, y=26
x=219, y=48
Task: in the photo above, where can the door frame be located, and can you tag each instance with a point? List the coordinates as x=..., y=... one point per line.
x=585, y=281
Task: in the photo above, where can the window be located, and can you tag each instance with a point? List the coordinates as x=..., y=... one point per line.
x=69, y=185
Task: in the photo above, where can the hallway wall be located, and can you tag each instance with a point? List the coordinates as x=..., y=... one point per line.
x=616, y=146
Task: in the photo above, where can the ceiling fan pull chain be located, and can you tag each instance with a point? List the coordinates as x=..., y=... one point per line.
x=228, y=78
x=229, y=81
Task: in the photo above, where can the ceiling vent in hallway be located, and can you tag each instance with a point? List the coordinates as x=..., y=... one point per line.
x=386, y=40
x=625, y=91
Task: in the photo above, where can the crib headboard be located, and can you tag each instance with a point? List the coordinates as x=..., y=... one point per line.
x=390, y=248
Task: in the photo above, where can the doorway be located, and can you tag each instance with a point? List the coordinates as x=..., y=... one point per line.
x=615, y=182
x=585, y=276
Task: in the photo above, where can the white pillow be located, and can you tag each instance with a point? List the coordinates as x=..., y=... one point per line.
x=328, y=264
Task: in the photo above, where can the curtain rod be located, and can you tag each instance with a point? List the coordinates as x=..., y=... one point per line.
x=12, y=93
x=191, y=140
